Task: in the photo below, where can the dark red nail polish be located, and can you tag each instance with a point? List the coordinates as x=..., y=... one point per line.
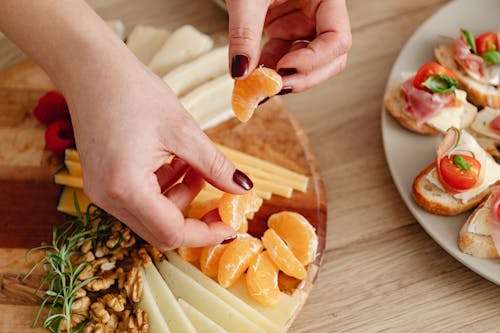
x=264, y=100
x=239, y=65
x=229, y=239
x=287, y=71
x=242, y=180
x=285, y=90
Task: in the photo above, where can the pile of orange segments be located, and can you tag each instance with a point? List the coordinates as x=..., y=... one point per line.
x=278, y=260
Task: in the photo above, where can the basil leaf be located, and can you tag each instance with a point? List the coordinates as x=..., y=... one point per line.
x=461, y=163
x=491, y=57
x=441, y=84
x=469, y=37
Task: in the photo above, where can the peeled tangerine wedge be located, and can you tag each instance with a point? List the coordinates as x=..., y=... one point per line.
x=262, y=280
x=282, y=256
x=190, y=254
x=236, y=259
x=200, y=208
x=297, y=233
x=247, y=93
x=234, y=208
x=210, y=259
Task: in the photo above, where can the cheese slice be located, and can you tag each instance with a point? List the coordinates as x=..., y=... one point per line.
x=71, y=154
x=74, y=168
x=450, y=116
x=170, y=309
x=148, y=304
x=183, y=45
x=483, y=120
x=269, y=324
x=64, y=178
x=480, y=224
x=190, y=75
x=144, y=41
x=183, y=286
x=66, y=202
x=201, y=322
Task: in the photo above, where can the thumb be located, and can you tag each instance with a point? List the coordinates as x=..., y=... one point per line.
x=246, y=22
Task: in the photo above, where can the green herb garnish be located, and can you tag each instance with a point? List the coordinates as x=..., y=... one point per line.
x=441, y=84
x=461, y=162
x=469, y=38
x=61, y=281
x=491, y=57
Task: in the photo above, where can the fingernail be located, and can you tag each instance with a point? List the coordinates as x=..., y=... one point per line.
x=264, y=100
x=239, y=65
x=242, y=180
x=229, y=239
x=285, y=90
x=287, y=71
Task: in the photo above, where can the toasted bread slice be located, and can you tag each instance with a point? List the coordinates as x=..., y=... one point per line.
x=478, y=93
x=436, y=201
x=489, y=144
x=395, y=104
x=476, y=244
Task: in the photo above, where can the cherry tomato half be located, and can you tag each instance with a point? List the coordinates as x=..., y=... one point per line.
x=487, y=42
x=456, y=177
x=430, y=69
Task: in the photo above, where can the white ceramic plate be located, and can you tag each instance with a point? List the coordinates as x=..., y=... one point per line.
x=408, y=153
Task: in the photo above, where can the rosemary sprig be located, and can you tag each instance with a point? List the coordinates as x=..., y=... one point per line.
x=61, y=278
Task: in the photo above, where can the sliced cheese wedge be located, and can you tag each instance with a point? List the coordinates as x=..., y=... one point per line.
x=71, y=154
x=148, y=304
x=64, y=178
x=269, y=324
x=183, y=286
x=67, y=200
x=190, y=75
x=201, y=322
x=210, y=100
x=145, y=41
x=74, y=168
x=183, y=45
x=170, y=309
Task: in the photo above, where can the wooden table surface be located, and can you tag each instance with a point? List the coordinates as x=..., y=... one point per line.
x=381, y=271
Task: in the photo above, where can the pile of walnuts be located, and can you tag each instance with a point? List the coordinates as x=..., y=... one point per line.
x=106, y=303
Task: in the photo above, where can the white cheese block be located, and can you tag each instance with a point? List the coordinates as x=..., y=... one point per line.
x=210, y=99
x=201, y=322
x=183, y=45
x=269, y=324
x=450, y=116
x=482, y=122
x=488, y=165
x=183, y=286
x=480, y=223
x=170, y=309
x=491, y=75
x=148, y=304
x=144, y=41
x=215, y=118
x=190, y=75
x=118, y=28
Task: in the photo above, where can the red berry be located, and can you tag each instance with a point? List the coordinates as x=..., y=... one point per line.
x=51, y=107
x=59, y=136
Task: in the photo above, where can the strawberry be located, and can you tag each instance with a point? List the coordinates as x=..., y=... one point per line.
x=51, y=107
x=59, y=136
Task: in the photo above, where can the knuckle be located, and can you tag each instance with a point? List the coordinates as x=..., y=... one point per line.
x=242, y=35
x=171, y=240
x=218, y=165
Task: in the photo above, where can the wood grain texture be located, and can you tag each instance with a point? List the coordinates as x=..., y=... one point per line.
x=381, y=272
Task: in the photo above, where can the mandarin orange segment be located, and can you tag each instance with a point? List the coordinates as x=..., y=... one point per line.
x=282, y=256
x=200, y=208
x=236, y=258
x=298, y=234
x=210, y=258
x=247, y=93
x=262, y=280
x=287, y=284
x=234, y=208
x=190, y=254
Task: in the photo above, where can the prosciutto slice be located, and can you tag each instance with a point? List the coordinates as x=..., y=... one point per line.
x=423, y=105
x=493, y=218
x=467, y=59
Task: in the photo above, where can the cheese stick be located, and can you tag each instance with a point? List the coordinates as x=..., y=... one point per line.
x=145, y=41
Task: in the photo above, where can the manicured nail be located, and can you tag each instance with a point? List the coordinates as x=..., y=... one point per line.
x=242, y=180
x=229, y=239
x=264, y=100
x=287, y=71
x=239, y=65
x=285, y=90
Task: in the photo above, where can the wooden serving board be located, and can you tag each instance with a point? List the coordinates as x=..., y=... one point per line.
x=272, y=134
